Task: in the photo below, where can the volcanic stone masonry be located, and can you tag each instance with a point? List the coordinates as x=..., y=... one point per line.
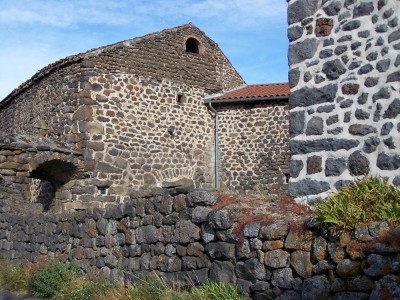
x=185, y=237
x=254, y=146
x=344, y=59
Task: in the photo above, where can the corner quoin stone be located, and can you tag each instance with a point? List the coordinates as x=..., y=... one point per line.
x=307, y=96
x=307, y=187
x=330, y=144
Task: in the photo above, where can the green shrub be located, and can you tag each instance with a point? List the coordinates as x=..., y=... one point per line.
x=81, y=288
x=217, y=291
x=366, y=200
x=13, y=277
x=47, y=278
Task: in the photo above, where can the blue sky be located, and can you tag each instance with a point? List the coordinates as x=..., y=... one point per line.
x=35, y=33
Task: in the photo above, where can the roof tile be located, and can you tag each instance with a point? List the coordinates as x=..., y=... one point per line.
x=257, y=91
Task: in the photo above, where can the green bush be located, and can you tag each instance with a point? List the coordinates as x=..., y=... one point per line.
x=48, y=278
x=366, y=200
x=13, y=277
x=217, y=291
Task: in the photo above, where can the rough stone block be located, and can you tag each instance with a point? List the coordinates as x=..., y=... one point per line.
x=300, y=51
x=299, y=240
x=223, y=272
x=221, y=250
x=307, y=96
x=277, y=259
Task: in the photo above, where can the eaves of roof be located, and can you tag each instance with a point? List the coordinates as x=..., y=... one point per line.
x=253, y=92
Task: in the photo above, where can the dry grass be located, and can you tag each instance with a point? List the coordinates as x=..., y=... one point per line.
x=263, y=219
x=224, y=199
x=288, y=204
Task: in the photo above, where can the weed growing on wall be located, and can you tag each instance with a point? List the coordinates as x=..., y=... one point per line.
x=366, y=200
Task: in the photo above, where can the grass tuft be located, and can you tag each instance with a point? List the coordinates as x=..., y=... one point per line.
x=84, y=288
x=216, y=291
x=366, y=200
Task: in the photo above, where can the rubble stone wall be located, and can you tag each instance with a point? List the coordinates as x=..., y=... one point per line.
x=253, y=146
x=185, y=237
x=140, y=133
x=344, y=59
x=43, y=109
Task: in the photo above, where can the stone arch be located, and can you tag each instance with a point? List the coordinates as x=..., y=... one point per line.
x=173, y=174
x=49, y=172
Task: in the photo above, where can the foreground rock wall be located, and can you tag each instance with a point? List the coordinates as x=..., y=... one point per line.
x=344, y=59
x=194, y=238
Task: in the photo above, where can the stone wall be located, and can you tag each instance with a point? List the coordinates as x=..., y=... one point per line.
x=192, y=238
x=253, y=146
x=344, y=59
x=42, y=109
x=33, y=169
x=141, y=134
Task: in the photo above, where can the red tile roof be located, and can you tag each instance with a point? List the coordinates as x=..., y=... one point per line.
x=255, y=91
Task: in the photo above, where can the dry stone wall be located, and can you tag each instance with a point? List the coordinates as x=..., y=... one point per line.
x=344, y=59
x=253, y=146
x=184, y=237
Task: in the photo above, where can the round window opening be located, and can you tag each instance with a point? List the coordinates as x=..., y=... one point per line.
x=192, y=45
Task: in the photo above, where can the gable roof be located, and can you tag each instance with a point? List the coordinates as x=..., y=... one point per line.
x=253, y=92
x=133, y=50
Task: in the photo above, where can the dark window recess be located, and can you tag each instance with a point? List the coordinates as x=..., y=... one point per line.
x=192, y=45
x=53, y=174
x=179, y=98
x=287, y=177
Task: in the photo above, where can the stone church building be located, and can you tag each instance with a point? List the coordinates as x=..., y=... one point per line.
x=166, y=109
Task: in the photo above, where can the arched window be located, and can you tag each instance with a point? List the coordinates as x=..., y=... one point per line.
x=192, y=45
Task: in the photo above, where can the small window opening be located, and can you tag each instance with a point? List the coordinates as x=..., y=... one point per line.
x=180, y=98
x=103, y=191
x=192, y=45
x=287, y=177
